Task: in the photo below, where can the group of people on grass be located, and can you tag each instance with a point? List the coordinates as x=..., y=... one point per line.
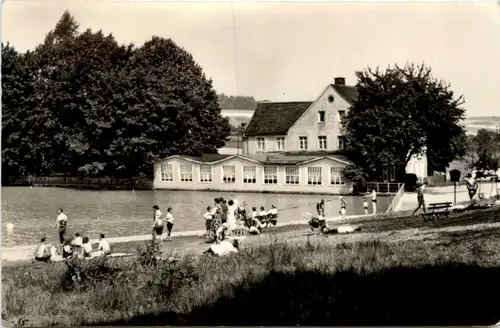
x=221, y=219
x=232, y=218
x=70, y=247
x=77, y=247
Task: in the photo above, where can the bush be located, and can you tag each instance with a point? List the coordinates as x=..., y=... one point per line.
x=82, y=274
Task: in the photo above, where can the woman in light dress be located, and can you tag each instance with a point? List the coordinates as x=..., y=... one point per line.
x=231, y=216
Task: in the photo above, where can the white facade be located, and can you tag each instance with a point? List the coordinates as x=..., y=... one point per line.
x=417, y=165
x=318, y=129
x=321, y=175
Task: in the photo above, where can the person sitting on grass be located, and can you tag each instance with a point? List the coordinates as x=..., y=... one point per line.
x=42, y=251
x=251, y=218
x=262, y=216
x=225, y=247
x=76, y=244
x=87, y=247
x=273, y=215
x=319, y=224
x=67, y=251
x=220, y=234
x=103, y=248
x=255, y=227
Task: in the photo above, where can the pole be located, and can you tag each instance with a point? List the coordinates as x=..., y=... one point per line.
x=455, y=193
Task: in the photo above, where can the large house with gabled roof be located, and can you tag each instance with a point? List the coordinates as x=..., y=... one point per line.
x=287, y=147
x=301, y=126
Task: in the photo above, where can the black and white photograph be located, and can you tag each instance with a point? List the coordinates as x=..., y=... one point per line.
x=250, y=163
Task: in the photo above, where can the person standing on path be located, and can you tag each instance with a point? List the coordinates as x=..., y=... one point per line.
x=231, y=216
x=374, y=202
x=158, y=224
x=471, y=186
x=216, y=221
x=170, y=222
x=420, y=197
x=61, y=224
x=320, y=207
x=225, y=210
x=365, y=206
x=208, y=218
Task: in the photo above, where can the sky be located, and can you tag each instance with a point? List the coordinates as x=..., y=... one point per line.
x=289, y=51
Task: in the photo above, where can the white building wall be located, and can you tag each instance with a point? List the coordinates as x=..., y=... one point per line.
x=417, y=165
x=281, y=187
x=308, y=125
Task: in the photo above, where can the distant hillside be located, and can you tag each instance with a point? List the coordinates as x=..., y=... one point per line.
x=474, y=124
x=238, y=102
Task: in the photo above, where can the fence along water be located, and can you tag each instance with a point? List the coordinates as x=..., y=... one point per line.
x=84, y=183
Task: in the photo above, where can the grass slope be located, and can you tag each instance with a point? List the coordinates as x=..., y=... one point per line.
x=450, y=281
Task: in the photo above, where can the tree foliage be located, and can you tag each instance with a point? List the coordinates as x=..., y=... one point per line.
x=81, y=103
x=401, y=112
x=237, y=102
x=484, y=150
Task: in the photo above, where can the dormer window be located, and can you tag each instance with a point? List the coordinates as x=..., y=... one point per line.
x=321, y=116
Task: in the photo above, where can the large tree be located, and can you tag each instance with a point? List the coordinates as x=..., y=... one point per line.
x=401, y=112
x=81, y=103
x=485, y=150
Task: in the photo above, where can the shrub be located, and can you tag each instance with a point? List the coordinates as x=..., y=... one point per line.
x=82, y=274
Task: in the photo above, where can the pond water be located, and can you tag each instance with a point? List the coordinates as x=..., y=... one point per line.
x=123, y=213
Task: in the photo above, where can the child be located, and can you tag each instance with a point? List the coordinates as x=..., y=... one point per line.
x=87, y=247
x=262, y=216
x=365, y=205
x=67, y=251
x=170, y=221
x=208, y=217
x=342, y=206
x=158, y=224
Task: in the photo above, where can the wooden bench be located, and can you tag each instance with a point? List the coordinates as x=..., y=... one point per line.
x=439, y=210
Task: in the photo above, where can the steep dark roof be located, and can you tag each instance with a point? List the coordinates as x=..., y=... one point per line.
x=275, y=118
x=349, y=93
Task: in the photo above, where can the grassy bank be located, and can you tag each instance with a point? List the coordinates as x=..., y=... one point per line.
x=451, y=280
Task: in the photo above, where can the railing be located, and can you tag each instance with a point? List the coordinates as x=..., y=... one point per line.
x=135, y=183
x=384, y=187
x=397, y=198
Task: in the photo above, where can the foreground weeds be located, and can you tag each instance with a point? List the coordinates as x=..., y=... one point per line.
x=308, y=283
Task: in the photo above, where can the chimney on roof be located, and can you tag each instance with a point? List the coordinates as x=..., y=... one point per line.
x=340, y=81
